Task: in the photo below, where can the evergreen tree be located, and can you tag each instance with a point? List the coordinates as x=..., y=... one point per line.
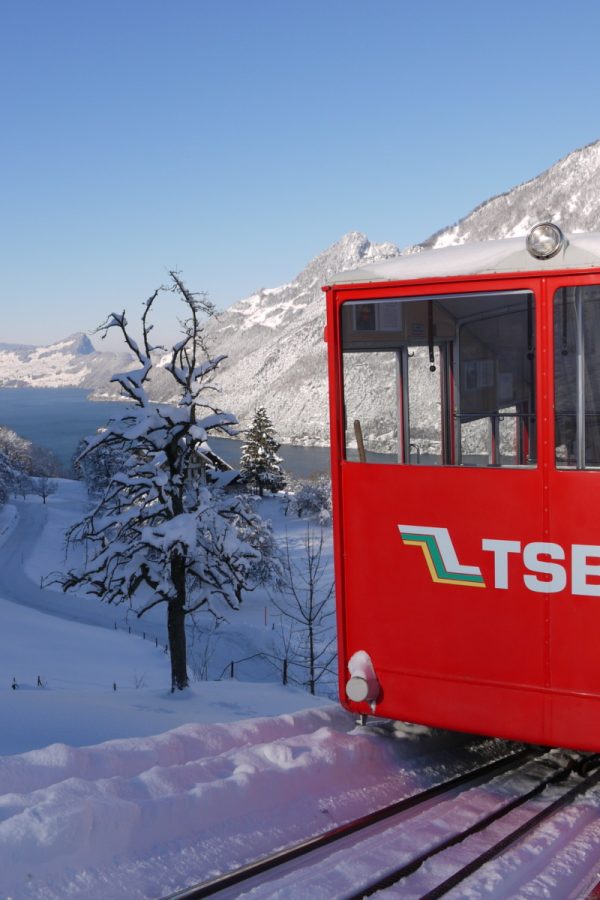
x=260, y=463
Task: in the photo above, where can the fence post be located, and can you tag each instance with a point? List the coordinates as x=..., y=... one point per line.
x=285, y=671
x=231, y=668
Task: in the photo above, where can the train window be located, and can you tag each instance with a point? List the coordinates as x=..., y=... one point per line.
x=372, y=413
x=577, y=376
x=445, y=380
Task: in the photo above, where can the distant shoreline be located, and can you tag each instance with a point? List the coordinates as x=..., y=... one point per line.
x=73, y=414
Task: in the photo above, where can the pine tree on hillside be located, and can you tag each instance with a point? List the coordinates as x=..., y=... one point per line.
x=260, y=464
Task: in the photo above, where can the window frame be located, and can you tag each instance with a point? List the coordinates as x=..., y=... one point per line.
x=449, y=365
x=579, y=285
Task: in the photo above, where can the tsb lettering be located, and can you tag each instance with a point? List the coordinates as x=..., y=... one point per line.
x=545, y=564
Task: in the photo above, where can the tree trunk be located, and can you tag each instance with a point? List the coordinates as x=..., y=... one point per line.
x=311, y=645
x=177, y=647
x=176, y=627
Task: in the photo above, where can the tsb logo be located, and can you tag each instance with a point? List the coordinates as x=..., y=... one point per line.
x=544, y=562
x=541, y=558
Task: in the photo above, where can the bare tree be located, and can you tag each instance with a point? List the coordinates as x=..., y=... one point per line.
x=43, y=486
x=98, y=466
x=306, y=608
x=164, y=529
x=204, y=640
x=21, y=484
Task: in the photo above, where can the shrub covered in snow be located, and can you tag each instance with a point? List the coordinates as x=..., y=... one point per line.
x=8, y=478
x=24, y=456
x=311, y=498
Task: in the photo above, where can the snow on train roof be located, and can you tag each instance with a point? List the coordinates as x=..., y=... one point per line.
x=485, y=257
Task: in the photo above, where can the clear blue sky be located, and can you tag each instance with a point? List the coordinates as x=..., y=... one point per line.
x=236, y=139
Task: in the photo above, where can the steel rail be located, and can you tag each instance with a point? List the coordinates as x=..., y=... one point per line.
x=272, y=861
x=573, y=767
x=498, y=848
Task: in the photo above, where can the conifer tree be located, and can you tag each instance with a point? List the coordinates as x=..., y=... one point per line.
x=260, y=464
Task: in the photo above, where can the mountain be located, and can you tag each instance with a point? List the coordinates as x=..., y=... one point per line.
x=274, y=344
x=274, y=338
x=72, y=362
x=568, y=193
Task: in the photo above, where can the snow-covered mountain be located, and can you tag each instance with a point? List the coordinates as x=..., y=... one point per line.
x=274, y=338
x=72, y=362
x=274, y=343
x=568, y=193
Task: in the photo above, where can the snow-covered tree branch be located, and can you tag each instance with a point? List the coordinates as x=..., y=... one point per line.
x=167, y=528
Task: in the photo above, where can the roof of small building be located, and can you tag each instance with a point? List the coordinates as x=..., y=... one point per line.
x=580, y=251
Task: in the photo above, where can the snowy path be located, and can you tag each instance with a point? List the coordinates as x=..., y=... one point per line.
x=17, y=585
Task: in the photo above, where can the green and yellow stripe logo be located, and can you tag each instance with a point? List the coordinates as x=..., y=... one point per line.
x=440, y=556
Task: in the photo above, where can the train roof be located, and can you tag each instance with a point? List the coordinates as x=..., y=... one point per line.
x=579, y=251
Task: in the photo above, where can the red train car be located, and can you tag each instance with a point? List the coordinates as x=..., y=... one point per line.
x=465, y=434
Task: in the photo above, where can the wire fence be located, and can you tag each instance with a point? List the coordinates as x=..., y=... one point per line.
x=263, y=665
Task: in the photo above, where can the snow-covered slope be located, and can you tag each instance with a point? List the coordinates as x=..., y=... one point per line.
x=72, y=362
x=274, y=338
x=568, y=193
x=111, y=787
x=274, y=343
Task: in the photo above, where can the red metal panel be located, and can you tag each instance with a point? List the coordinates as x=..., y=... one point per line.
x=414, y=626
x=509, y=658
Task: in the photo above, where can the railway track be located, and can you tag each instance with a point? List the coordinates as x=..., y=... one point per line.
x=545, y=783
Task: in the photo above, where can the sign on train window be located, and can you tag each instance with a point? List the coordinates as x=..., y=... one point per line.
x=374, y=317
x=577, y=376
x=445, y=380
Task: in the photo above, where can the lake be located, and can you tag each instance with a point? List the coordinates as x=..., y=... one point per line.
x=58, y=418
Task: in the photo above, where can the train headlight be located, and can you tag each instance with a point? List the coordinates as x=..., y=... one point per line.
x=545, y=240
x=358, y=689
x=363, y=684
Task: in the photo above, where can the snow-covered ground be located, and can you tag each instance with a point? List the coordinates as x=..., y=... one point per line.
x=104, y=682
x=135, y=792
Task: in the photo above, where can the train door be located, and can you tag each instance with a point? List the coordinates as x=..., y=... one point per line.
x=573, y=520
x=439, y=484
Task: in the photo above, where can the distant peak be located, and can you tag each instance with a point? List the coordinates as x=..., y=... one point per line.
x=78, y=343
x=353, y=249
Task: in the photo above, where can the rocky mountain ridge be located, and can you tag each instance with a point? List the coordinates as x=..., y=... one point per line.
x=568, y=193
